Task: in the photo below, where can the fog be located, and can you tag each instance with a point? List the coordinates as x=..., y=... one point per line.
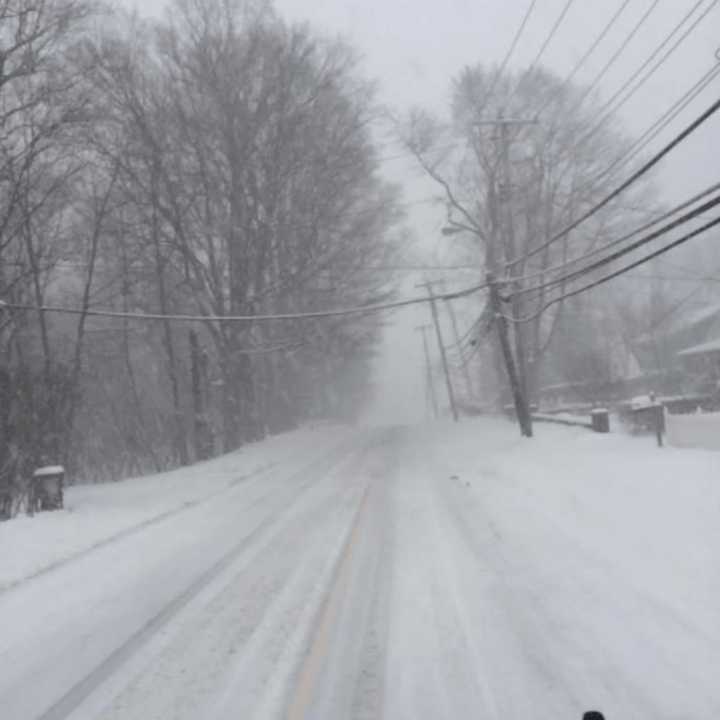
x=414, y=48
x=242, y=299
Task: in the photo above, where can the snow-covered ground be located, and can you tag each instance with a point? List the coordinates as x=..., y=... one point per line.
x=95, y=514
x=575, y=571
x=694, y=430
x=429, y=572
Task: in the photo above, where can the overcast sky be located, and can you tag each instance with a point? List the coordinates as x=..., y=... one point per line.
x=414, y=47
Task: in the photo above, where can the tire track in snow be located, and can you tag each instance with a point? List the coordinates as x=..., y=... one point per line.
x=310, y=671
x=616, y=598
x=369, y=694
x=355, y=609
x=235, y=634
x=534, y=623
x=65, y=705
x=133, y=529
x=446, y=675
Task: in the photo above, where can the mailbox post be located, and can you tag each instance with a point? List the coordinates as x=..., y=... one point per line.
x=600, y=418
x=46, y=488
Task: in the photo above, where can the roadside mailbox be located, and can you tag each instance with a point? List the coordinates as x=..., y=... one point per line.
x=46, y=488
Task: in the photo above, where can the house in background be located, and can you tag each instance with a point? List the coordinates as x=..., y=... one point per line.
x=703, y=361
x=681, y=357
x=686, y=351
x=589, y=361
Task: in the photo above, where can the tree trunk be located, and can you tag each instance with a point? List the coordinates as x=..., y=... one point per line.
x=179, y=439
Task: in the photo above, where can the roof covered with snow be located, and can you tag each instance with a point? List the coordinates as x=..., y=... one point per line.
x=683, y=322
x=697, y=316
x=49, y=470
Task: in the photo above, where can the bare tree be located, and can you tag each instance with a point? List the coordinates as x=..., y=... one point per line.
x=252, y=139
x=43, y=103
x=219, y=162
x=514, y=169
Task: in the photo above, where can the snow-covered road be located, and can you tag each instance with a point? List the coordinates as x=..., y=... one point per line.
x=434, y=572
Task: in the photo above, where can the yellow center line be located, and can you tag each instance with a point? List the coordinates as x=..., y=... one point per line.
x=309, y=671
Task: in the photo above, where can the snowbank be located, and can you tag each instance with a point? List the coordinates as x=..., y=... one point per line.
x=695, y=430
x=95, y=514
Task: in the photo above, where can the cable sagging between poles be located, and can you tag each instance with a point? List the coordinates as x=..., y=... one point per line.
x=689, y=130
x=358, y=310
x=617, y=273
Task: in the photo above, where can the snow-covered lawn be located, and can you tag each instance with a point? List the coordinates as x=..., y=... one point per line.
x=94, y=514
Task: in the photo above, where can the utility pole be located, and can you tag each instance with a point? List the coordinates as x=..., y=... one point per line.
x=510, y=245
x=429, y=381
x=438, y=332
x=456, y=334
x=514, y=364
x=521, y=407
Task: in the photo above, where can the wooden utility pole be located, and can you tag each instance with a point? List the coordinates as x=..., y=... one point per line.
x=521, y=407
x=463, y=361
x=441, y=346
x=429, y=380
x=515, y=370
x=510, y=244
x=453, y=320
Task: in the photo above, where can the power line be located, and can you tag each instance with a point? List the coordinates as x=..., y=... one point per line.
x=513, y=45
x=689, y=130
x=413, y=268
x=476, y=349
x=270, y=349
x=458, y=363
x=358, y=310
x=676, y=278
x=461, y=342
x=637, y=145
x=674, y=309
x=613, y=59
x=549, y=38
x=460, y=347
x=647, y=258
x=603, y=248
x=608, y=104
x=630, y=248
x=644, y=139
x=511, y=50
x=588, y=53
x=540, y=52
x=659, y=125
